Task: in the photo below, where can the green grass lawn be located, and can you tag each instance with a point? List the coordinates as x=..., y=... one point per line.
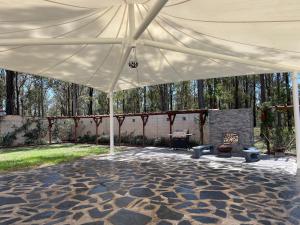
x=26, y=157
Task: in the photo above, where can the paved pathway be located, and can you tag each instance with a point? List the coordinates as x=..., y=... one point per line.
x=150, y=186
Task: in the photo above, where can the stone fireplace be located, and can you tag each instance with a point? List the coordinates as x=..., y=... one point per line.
x=234, y=121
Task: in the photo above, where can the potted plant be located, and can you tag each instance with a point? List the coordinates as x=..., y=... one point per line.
x=281, y=140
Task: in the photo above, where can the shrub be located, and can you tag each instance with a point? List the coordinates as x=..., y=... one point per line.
x=282, y=139
x=193, y=143
x=36, y=135
x=62, y=131
x=139, y=140
x=8, y=139
x=87, y=139
x=104, y=139
x=135, y=140
x=162, y=142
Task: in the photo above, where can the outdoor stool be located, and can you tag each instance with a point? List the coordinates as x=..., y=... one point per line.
x=201, y=150
x=225, y=150
x=251, y=154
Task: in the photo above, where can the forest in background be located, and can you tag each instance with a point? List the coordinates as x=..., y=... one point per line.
x=28, y=95
x=34, y=96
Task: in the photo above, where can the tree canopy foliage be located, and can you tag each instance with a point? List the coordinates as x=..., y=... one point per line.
x=40, y=97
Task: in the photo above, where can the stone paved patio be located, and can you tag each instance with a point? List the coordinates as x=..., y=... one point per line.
x=151, y=186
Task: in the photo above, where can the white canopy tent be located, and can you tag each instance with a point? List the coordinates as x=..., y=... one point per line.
x=89, y=42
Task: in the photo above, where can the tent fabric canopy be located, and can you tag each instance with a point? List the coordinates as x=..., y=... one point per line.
x=258, y=30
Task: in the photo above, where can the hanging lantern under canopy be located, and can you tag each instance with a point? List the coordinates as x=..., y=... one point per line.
x=133, y=63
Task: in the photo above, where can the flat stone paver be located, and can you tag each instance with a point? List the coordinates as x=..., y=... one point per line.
x=151, y=186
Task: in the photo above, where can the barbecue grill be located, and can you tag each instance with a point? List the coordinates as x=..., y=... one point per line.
x=180, y=139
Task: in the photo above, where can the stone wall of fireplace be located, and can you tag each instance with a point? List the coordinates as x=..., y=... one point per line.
x=239, y=121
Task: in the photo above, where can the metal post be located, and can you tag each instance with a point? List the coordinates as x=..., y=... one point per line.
x=296, y=115
x=135, y=34
x=59, y=41
x=154, y=11
x=131, y=17
x=111, y=121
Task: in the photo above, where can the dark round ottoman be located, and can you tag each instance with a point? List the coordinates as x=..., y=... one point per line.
x=224, y=150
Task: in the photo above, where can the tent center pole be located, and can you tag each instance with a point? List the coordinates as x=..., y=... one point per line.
x=296, y=115
x=111, y=121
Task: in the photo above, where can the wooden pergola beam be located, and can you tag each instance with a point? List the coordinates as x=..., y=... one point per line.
x=98, y=121
x=171, y=116
x=194, y=111
x=120, y=121
x=145, y=119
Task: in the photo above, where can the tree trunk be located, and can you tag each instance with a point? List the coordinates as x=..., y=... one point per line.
x=145, y=99
x=69, y=108
x=254, y=101
x=166, y=93
x=288, y=99
x=137, y=101
x=75, y=110
x=10, y=93
x=163, y=97
x=201, y=100
x=215, y=94
x=17, y=94
x=246, y=92
x=210, y=94
x=22, y=107
x=264, y=131
x=269, y=81
x=42, y=97
x=278, y=79
x=236, y=93
x=90, y=105
x=123, y=102
x=171, y=96
x=262, y=88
